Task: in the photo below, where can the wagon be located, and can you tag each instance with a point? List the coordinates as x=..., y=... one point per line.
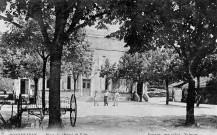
x=67, y=105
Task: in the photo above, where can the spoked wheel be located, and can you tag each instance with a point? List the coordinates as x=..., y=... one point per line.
x=73, y=110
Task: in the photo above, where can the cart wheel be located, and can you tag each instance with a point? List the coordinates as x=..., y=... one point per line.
x=73, y=110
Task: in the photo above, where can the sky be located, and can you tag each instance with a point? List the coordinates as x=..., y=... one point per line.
x=2, y=26
x=112, y=28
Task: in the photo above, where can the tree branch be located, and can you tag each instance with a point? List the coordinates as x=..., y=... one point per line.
x=37, y=16
x=176, y=48
x=40, y=54
x=47, y=56
x=10, y=21
x=88, y=19
x=75, y=20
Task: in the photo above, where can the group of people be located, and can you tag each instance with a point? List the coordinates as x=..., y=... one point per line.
x=106, y=96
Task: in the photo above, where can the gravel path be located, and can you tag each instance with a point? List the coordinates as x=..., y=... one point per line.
x=146, y=118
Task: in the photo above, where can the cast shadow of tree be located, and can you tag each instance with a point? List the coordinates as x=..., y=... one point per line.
x=202, y=122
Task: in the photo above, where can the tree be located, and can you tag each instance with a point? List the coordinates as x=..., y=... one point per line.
x=206, y=66
x=135, y=67
x=65, y=17
x=164, y=67
x=191, y=30
x=78, y=57
x=138, y=20
x=188, y=26
x=32, y=70
x=29, y=38
x=13, y=61
x=155, y=67
x=18, y=64
x=109, y=71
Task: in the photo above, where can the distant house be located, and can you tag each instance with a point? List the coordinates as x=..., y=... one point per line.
x=180, y=88
x=202, y=90
x=175, y=91
x=23, y=86
x=203, y=81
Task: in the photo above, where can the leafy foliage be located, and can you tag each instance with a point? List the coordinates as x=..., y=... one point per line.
x=64, y=18
x=139, y=21
x=154, y=66
x=17, y=64
x=187, y=26
x=191, y=31
x=164, y=65
x=207, y=66
x=134, y=67
x=77, y=56
x=109, y=71
x=30, y=41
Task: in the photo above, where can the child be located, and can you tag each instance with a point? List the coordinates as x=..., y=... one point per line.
x=106, y=98
x=116, y=98
x=96, y=99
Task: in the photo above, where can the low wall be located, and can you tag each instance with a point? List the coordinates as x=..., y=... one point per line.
x=177, y=95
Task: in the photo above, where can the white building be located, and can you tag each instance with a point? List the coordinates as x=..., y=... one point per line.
x=103, y=48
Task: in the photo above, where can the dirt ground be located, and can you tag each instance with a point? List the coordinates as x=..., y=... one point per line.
x=129, y=118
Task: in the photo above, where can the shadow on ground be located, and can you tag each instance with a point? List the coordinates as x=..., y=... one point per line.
x=108, y=124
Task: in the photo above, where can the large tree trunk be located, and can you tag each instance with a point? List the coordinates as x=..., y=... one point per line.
x=167, y=92
x=190, y=102
x=36, y=89
x=140, y=90
x=43, y=84
x=54, y=91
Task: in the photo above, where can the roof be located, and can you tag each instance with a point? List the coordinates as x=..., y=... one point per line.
x=203, y=81
x=177, y=84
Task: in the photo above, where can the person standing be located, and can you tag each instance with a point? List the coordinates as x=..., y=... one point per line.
x=197, y=98
x=116, y=98
x=96, y=99
x=106, y=98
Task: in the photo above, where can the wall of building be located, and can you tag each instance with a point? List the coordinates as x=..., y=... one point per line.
x=103, y=49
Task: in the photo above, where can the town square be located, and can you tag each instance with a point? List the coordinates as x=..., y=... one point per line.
x=80, y=67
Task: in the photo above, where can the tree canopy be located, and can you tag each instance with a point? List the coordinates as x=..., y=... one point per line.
x=77, y=57
x=110, y=72
x=188, y=26
x=62, y=18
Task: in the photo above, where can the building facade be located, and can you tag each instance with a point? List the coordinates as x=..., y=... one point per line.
x=103, y=48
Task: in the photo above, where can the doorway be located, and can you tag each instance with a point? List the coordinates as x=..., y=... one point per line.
x=24, y=83
x=86, y=86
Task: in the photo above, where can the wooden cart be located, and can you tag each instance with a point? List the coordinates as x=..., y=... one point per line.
x=67, y=105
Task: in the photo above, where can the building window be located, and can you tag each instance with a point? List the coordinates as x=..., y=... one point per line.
x=84, y=85
x=103, y=59
x=48, y=83
x=23, y=86
x=69, y=82
x=88, y=85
